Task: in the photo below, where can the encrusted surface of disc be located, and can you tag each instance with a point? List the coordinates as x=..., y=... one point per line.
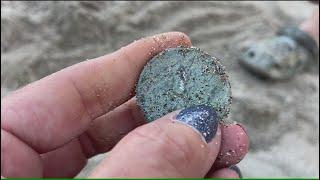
x=182, y=77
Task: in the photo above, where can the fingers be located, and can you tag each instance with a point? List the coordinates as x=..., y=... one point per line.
x=231, y=172
x=107, y=130
x=102, y=135
x=234, y=146
x=18, y=159
x=66, y=161
x=173, y=146
x=50, y=112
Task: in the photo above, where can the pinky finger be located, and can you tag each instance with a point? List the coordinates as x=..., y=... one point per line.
x=231, y=172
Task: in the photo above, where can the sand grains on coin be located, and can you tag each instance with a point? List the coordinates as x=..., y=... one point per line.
x=178, y=78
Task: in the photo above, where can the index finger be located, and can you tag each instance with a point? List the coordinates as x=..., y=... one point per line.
x=50, y=112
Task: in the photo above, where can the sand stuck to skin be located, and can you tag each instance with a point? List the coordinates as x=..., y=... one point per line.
x=282, y=118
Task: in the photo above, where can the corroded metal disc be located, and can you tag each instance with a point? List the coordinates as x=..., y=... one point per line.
x=178, y=78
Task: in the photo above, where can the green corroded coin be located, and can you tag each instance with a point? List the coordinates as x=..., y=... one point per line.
x=178, y=78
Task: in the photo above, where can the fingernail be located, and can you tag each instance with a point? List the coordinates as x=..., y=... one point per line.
x=201, y=118
x=244, y=128
x=236, y=169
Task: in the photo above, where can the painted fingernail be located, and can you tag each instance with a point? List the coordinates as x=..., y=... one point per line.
x=236, y=169
x=201, y=118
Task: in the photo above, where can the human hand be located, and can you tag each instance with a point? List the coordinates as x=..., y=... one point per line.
x=50, y=128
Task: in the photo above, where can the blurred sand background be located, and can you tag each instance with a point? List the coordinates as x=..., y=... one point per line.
x=282, y=118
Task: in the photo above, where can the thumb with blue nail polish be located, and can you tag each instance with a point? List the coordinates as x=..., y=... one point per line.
x=202, y=118
x=182, y=144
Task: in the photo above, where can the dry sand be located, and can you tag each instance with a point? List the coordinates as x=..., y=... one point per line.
x=282, y=118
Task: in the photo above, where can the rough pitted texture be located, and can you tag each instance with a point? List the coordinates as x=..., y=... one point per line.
x=282, y=119
x=178, y=78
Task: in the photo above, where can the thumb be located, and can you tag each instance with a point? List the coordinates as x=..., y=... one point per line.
x=177, y=145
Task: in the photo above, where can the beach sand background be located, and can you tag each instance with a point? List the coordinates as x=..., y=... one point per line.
x=282, y=118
